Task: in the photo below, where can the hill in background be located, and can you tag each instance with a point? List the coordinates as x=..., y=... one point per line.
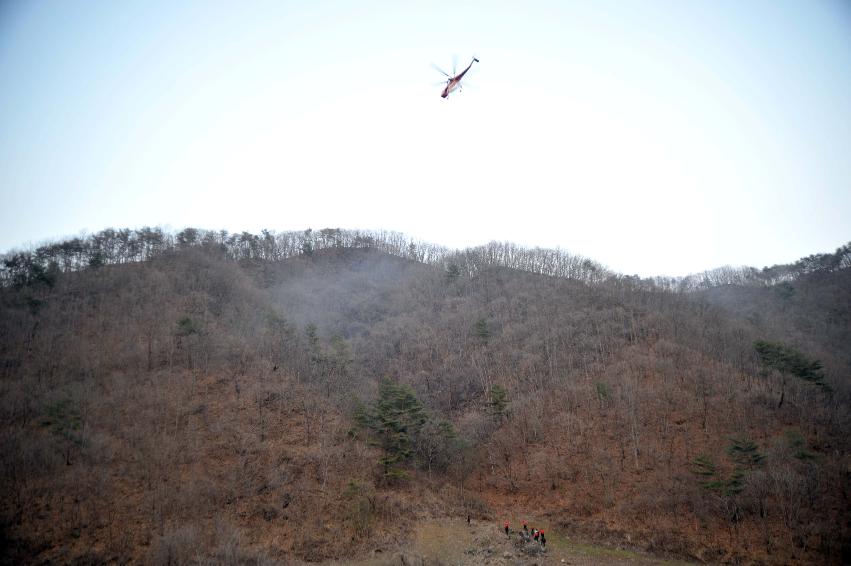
x=262, y=398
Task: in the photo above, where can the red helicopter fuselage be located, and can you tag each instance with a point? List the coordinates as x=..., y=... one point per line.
x=455, y=82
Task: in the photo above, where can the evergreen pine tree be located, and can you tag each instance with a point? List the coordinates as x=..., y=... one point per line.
x=498, y=402
x=394, y=419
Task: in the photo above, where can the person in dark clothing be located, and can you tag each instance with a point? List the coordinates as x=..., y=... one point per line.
x=535, y=534
x=468, y=519
x=506, y=528
x=543, y=539
x=525, y=527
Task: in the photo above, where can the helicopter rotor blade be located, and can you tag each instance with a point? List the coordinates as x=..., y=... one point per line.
x=438, y=69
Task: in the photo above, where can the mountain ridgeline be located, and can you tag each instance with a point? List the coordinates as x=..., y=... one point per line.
x=208, y=397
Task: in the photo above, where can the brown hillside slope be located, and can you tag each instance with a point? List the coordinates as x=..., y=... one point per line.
x=191, y=409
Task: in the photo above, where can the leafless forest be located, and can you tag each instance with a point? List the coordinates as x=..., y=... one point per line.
x=205, y=397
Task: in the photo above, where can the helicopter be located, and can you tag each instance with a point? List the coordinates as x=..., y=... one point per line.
x=453, y=82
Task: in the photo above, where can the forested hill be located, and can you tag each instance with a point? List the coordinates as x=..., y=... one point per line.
x=111, y=247
x=313, y=395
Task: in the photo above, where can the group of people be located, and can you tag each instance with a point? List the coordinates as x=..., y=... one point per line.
x=527, y=535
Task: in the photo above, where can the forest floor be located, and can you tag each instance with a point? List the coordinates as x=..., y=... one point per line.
x=447, y=542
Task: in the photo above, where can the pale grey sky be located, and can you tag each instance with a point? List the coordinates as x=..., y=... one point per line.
x=655, y=137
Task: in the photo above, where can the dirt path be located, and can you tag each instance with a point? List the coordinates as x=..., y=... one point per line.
x=449, y=542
